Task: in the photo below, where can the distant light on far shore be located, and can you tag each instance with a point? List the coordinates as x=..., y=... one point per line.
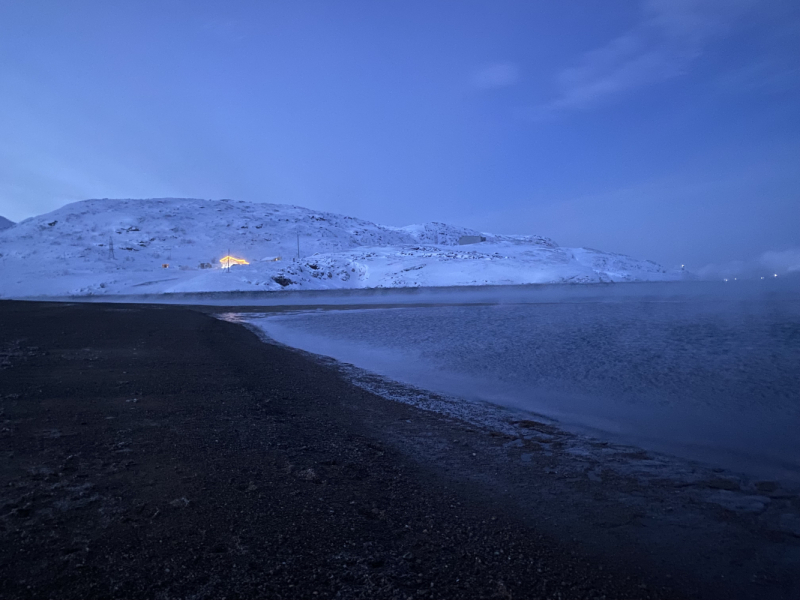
x=228, y=261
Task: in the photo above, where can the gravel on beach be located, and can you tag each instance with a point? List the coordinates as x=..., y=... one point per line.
x=154, y=451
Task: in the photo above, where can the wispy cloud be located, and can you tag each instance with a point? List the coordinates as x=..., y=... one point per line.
x=669, y=36
x=226, y=30
x=496, y=75
x=769, y=76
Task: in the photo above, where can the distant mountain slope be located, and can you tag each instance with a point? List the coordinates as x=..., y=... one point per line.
x=5, y=223
x=121, y=246
x=197, y=230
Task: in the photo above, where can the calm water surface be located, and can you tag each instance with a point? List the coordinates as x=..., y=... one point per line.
x=712, y=377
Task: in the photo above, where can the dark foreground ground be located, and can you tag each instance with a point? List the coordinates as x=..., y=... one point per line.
x=158, y=452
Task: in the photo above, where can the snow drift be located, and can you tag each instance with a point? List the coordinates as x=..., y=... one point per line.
x=174, y=245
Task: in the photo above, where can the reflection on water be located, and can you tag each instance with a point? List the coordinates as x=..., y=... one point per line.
x=711, y=377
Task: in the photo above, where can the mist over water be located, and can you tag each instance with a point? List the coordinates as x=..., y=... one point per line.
x=712, y=376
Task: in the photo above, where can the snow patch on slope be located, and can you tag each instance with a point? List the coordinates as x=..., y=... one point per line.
x=121, y=246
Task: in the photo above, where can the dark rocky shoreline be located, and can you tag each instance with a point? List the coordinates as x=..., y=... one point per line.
x=153, y=451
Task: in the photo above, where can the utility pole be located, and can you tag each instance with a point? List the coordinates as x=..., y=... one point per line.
x=298, y=246
x=229, y=260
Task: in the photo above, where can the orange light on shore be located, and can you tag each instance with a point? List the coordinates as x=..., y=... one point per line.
x=227, y=261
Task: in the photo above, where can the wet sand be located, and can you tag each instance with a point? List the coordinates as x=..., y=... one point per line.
x=160, y=452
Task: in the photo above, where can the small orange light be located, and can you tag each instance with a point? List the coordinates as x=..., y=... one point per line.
x=227, y=261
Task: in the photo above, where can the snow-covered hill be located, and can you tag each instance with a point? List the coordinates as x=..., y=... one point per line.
x=174, y=245
x=5, y=223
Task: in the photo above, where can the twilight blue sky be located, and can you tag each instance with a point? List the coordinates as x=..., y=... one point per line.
x=664, y=129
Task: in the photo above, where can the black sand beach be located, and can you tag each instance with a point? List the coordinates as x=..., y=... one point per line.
x=158, y=452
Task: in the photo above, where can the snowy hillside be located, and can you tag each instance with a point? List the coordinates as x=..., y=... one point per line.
x=5, y=223
x=175, y=245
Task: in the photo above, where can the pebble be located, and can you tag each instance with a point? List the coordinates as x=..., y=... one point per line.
x=790, y=524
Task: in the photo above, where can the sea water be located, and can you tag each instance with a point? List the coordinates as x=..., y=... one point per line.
x=712, y=376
